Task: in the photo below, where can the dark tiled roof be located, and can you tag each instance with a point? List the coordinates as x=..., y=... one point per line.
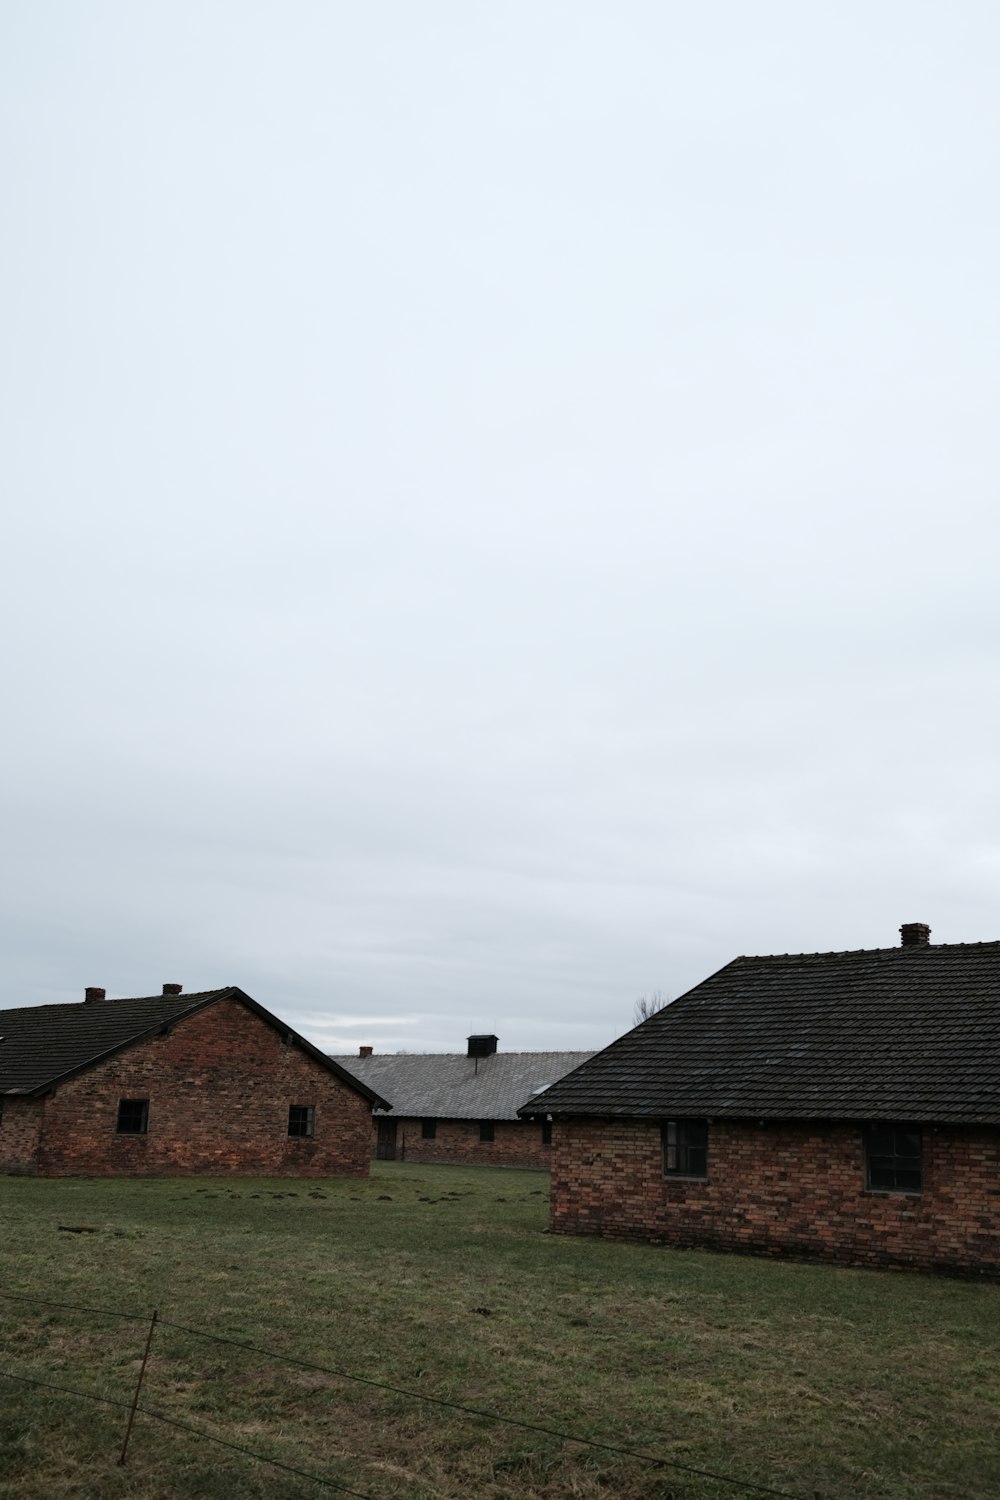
x=449, y=1086
x=908, y=1033
x=41, y=1044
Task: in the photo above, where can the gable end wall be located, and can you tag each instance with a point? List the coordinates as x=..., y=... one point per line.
x=784, y=1188
x=219, y=1085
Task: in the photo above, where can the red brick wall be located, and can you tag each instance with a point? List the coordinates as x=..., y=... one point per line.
x=783, y=1189
x=219, y=1085
x=19, y=1129
x=516, y=1143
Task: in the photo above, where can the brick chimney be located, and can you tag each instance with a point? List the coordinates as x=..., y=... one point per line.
x=172, y=989
x=364, y=1052
x=92, y=993
x=915, y=935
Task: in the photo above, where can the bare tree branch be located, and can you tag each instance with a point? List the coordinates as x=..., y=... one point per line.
x=648, y=1005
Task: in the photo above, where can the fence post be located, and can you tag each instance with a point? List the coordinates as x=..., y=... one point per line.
x=138, y=1388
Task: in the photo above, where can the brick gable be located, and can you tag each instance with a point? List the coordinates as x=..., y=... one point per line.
x=219, y=1083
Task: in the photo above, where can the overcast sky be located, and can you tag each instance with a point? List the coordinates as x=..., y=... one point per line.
x=500, y=500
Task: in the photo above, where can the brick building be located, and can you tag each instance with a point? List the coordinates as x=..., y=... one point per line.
x=843, y=1106
x=461, y=1107
x=171, y=1084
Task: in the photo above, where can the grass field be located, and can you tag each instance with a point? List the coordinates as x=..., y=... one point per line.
x=845, y=1385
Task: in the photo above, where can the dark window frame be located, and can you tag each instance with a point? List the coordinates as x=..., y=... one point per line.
x=302, y=1121
x=684, y=1147
x=132, y=1117
x=546, y=1132
x=894, y=1157
x=428, y=1128
x=487, y=1131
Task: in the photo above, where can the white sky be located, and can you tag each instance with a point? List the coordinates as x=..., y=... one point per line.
x=500, y=500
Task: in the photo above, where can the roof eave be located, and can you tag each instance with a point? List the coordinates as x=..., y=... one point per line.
x=745, y=1112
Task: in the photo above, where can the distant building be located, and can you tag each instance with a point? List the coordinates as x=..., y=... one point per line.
x=172, y=1084
x=461, y=1107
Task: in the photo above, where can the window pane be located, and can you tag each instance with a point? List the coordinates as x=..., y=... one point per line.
x=894, y=1158
x=133, y=1116
x=685, y=1147
x=301, y=1118
x=880, y=1172
x=698, y=1162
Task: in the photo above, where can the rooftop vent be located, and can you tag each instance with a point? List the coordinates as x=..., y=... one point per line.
x=172, y=989
x=915, y=935
x=92, y=993
x=482, y=1046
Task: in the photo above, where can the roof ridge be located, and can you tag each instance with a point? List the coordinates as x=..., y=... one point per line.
x=216, y=989
x=93, y=1005
x=464, y=1056
x=858, y=952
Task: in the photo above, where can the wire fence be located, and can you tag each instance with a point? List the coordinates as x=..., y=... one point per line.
x=138, y=1406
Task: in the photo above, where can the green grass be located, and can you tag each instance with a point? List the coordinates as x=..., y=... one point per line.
x=847, y=1385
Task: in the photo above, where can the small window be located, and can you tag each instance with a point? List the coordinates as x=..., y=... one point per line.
x=486, y=1130
x=301, y=1120
x=133, y=1116
x=893, y=1158
x=685, y=1148
x=546, y=1132
x=428, y=1129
